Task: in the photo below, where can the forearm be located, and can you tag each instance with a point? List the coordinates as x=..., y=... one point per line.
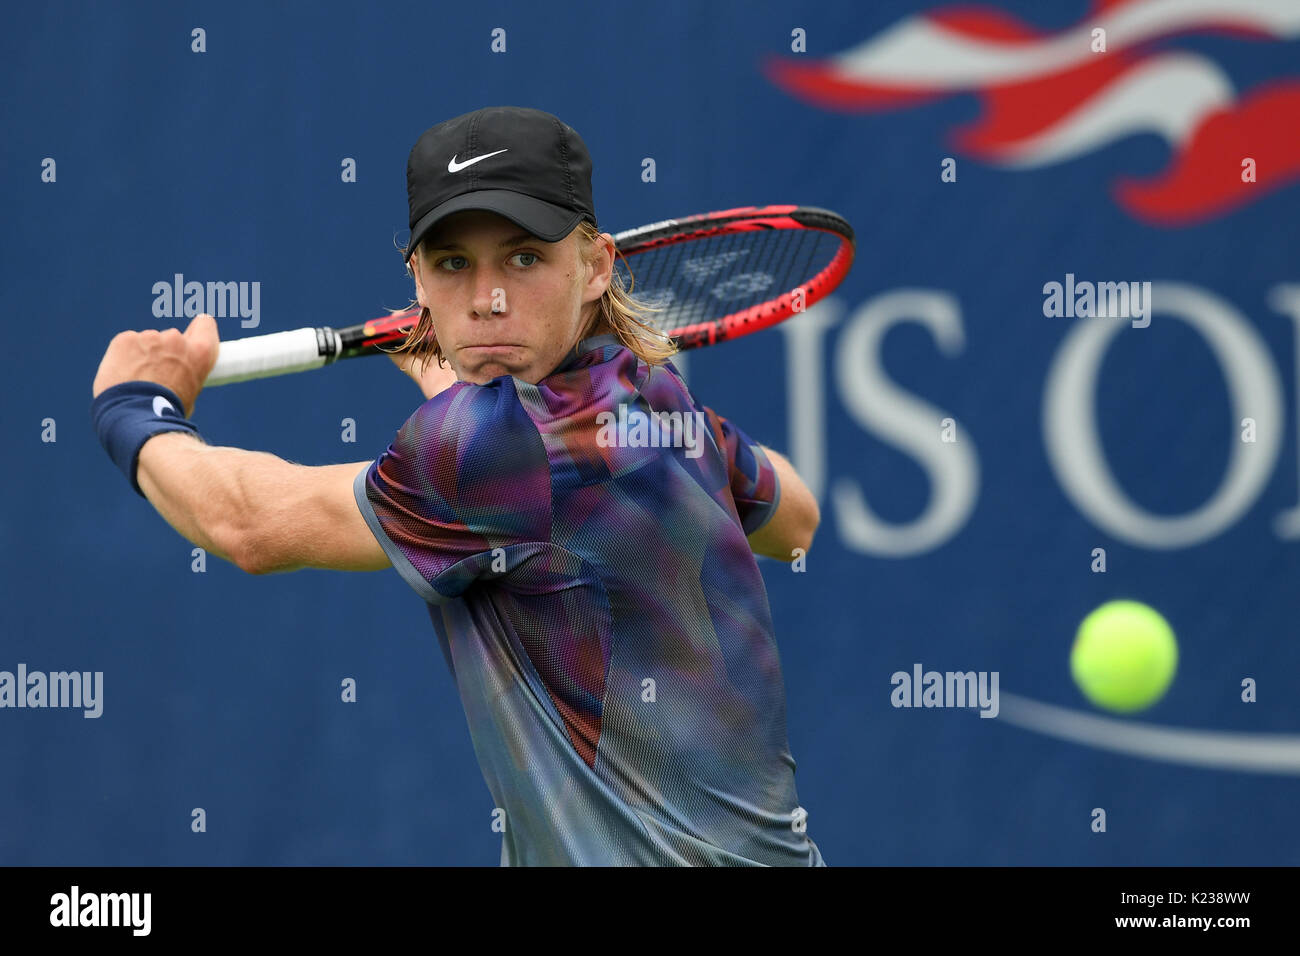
x=436, y=379
x=206, y=493
x=431, y=377
x=797, y=515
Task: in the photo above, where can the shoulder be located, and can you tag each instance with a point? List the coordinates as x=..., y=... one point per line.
x=466, y=414
x=463, y=435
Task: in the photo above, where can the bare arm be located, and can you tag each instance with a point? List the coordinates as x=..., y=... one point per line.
x=428, y=374
x=258, y=511
x=250, y=508
x=796, y=517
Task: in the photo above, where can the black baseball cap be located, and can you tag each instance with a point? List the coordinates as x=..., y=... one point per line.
x=521, y=163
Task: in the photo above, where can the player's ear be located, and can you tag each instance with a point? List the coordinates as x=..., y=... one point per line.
x=600, y=267
x=413, y=270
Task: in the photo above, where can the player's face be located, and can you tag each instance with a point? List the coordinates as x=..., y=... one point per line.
x=504, y=302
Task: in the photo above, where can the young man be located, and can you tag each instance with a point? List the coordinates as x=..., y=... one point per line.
x=598, y=603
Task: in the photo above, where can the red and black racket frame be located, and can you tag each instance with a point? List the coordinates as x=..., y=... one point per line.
x=393, y=329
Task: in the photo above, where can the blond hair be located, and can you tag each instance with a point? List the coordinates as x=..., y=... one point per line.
x=616, y=311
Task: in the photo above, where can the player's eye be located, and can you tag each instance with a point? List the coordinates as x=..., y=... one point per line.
x=531, y=256
x=442, y=263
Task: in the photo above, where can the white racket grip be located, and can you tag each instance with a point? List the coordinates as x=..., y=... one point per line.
x=280, y=353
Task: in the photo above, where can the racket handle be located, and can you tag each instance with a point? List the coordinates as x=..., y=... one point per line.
x=280, y=353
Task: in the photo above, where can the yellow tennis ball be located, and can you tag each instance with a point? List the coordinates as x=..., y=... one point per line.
x=1124, y=656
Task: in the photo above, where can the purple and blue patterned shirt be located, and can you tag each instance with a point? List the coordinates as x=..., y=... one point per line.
x=594, y=594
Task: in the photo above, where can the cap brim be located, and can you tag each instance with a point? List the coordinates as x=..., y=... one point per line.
x=547, y=222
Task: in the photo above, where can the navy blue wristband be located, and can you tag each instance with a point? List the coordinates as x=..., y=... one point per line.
x=127, y=415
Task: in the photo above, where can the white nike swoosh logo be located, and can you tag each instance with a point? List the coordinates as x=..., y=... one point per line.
x=159, y=403
x=455, y=167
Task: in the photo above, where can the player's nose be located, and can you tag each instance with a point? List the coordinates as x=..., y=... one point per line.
x=489, y=293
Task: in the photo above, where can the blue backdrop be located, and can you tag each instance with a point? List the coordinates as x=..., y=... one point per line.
x=222, y=690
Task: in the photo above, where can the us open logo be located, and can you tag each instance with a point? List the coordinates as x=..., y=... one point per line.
x=1047, y=98
x=1051, y=97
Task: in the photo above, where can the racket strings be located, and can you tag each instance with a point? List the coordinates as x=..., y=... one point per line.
x=711, y=279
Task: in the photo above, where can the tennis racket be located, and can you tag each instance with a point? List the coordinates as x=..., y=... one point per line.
x=714, y=277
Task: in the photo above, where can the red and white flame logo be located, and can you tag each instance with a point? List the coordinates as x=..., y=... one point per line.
x=1049, y=97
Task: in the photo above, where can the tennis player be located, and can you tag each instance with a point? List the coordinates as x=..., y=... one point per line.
x=598, y=602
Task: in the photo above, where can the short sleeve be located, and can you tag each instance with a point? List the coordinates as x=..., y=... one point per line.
x=466, y=474
x=754, y=483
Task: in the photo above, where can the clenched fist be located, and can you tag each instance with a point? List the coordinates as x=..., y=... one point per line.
x=179, y=360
